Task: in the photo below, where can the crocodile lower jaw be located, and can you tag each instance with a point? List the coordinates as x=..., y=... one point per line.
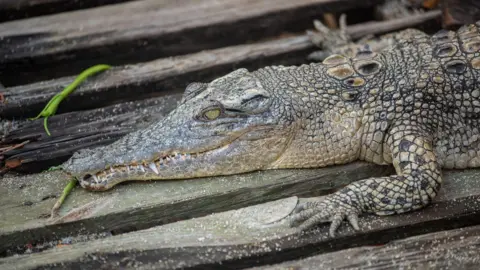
x=142, y=170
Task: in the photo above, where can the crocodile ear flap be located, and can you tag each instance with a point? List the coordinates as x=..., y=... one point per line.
x=192, y=90
x=254, y=100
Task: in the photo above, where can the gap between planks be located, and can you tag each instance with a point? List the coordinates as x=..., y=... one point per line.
x=20, y=9
x=78, y=130
x=451, y=249
x=246, y=237
x=26, y=201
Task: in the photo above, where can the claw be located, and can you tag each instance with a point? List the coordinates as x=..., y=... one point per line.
x=343, y=22
x=336, y=221
x=330, y=40
x=353, y=220
x=312, y=213
x=301, y=216
x=314, y=220
x=320, y=27
x=316, y=39
x=343, y=26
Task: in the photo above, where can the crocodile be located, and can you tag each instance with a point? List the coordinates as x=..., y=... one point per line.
x=414, y=105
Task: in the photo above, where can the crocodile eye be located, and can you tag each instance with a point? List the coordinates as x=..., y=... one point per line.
x=211, y=114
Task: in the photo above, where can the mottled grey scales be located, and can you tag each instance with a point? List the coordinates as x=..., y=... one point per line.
x=415, y=104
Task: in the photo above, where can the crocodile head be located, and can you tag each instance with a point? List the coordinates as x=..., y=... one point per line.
x=241, y=122
x=224, y=127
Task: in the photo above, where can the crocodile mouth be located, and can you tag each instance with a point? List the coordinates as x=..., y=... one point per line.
x=144, y=170
x=178, y=164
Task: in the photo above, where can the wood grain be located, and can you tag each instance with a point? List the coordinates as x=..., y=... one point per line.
x=154, y=78
x=245, y=237
x=64, y=44
x=140, y=205
x=19, y=9
x=78, y=130
x=451, y=249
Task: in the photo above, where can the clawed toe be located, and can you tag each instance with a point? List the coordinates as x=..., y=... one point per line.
x=329, y=38
x=310, y=214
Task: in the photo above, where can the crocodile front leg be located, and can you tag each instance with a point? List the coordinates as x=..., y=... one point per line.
x=417, y=182
x=338, y=41
x=333, y=41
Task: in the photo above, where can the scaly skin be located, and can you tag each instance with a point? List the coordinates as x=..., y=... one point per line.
x=416, y=106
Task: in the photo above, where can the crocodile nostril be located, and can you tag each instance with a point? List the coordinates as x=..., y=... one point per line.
x=85, y=177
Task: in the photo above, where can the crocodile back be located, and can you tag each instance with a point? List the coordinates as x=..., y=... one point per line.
x=429, y=83
x=445, y=92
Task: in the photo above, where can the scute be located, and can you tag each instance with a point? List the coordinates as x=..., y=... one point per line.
x=456, y=67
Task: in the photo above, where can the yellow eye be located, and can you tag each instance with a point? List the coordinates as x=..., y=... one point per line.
x=212, y=114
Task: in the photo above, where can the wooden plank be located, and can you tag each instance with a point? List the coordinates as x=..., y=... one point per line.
x=64, y=44
x=171, y=75
x=457, y=13
x=25, y=202
x=247, y=237
x=76, y=130
x=19, y=9
x=155, y=78
x=452, y=249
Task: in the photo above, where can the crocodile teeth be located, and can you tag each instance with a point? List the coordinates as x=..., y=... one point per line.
x=153, y=167
x=111, y=170
x=95, y=178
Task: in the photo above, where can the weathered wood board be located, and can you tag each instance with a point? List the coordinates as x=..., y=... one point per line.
x=452, y=249
x=77, y=130
x=158, y=77
x=247, y=237
x=142, y=205
x=19, y=9
x=137, y=31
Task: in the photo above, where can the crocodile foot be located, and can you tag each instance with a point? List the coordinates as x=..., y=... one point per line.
x=328, y=39
x=323, y=210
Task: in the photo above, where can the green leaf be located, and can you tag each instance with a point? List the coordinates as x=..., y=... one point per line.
x=52, y=106
x=71, y=184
